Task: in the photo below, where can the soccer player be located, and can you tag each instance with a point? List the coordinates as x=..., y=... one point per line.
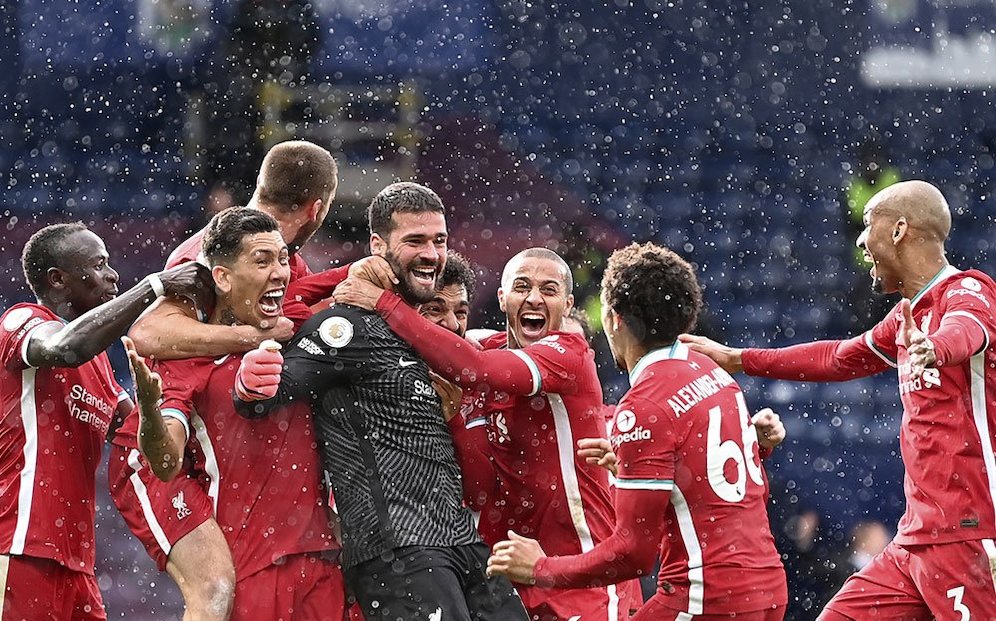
x=263, y=478
x=689, y=473
x=541, y=394
x=410, y=549
x=296, y=185
x=940, y=339
x=59, y=402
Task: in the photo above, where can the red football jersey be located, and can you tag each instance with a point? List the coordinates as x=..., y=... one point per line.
x=52, y=430
x=190, y=250
x=263, y=475
x=949, y=416
x=684, y=427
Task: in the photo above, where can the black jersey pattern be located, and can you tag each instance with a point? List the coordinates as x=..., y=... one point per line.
x=388, y=453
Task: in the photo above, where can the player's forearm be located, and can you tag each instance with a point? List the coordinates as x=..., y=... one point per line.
x=822, y=361
x=91, y=333
x=480, y=481
x=305, y=292
x=175, y=335
x=161, y=450
x=959, y=338
x=453, y=357
x=628, y=553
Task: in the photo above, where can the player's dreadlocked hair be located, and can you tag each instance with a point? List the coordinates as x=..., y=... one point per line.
x=654, y=291
x=404, y=197
x=458, y=271
x=41, y=253
x=223, y=238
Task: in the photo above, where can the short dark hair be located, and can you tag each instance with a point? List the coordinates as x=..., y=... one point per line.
x=404, y=197
x=654, y=291
x=43, y=252
x=459, y=271
x=543, y=253
x=295, y=173
x=578, y=315
x=223, y=239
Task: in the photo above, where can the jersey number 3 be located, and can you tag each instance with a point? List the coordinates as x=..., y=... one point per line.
x=740, y=451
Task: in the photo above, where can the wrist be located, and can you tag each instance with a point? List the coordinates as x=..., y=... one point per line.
x=541, y=575
x=156, y=283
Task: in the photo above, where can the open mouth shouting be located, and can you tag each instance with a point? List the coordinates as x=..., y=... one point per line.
x=271, y=301
x=533, y=324
x=425, y=275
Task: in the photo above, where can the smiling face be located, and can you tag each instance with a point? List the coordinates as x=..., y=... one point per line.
x=450, y=308
x=416, y=250
x=85, y=276
x=252, y=287
x=534, y=298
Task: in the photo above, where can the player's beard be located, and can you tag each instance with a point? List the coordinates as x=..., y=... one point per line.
x=412, y=293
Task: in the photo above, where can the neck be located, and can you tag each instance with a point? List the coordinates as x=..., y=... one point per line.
x=632, y=355
x=920, y=274
x=287, y=224
x=223, y=315
x=62, y=308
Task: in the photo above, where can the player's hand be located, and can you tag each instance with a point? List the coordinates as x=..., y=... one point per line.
x=357, y=292
x=259, y=374
x=375, y=270
x=516, y=558
x=729, y=358
x=280, y=330
x=449, y=393
x=769, y=428
x=189, y=280
x=148, y=385
x=598, y=451
x=918, y=346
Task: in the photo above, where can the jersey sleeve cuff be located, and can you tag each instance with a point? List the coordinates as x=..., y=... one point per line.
x=180, y=416
x=25, y=341
x=533, y=370
x=665, y=485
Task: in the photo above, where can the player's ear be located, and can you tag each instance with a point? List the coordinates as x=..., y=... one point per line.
x=222, y=278
x=501, y=299
x=899, y=230
x=378, y=245
x=314, y=209
x=569, y=305
x=56, y=278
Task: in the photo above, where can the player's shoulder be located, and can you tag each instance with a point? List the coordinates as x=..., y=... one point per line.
x=25, y=316
x=338, y=325
x=193, y=371
x=187, y=251
x=972, y=283
x=562, y=343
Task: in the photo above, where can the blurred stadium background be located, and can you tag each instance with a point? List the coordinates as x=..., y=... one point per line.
x=732, y=132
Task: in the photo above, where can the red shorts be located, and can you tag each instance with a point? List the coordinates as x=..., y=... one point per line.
x=945, y=581
x=40, y=589
x=655, y=610
x=303, y=587
x=612, y=603
x=159, y=513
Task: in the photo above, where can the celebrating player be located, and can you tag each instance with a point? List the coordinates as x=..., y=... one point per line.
x=689, y=472
x=59, y=402
x=262, y=477
x=541, y=395
x=940, y=338
x=410, y=549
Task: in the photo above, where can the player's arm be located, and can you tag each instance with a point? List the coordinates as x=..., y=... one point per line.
x=70, y=345
x=965, y=329
x=172, y=331
x=624, y=555
x=477, y=470
x=821, y=361
x=312, y=294
x=448, y=354
x=161, y=439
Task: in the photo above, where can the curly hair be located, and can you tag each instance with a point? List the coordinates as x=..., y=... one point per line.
x=43, y=252
x=653, y=290
x=223, y=239
x=459, y=271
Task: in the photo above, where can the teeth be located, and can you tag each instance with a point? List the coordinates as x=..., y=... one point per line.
x=274, y=294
